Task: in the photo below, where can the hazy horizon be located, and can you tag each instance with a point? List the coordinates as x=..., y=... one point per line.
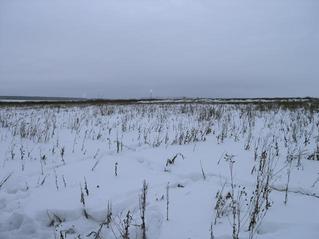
x=190, y=48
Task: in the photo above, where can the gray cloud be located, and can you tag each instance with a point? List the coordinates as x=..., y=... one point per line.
x=124, y=48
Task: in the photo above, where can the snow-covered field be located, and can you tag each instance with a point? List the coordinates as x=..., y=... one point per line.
x=208, y=171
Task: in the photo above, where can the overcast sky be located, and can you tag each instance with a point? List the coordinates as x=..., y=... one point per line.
x=194, y=48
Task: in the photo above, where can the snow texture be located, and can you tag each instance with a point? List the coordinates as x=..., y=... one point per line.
x=51, y=157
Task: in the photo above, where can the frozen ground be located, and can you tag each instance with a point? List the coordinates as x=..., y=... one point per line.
x=59, y=166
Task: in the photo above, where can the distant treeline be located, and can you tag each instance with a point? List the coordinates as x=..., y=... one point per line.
x=258, y=103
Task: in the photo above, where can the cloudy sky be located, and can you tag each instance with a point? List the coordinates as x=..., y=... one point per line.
x=194, y=48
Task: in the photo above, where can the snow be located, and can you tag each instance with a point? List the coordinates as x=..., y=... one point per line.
x=41, y=196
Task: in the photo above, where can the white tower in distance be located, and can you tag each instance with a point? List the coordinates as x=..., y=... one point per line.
x=151, y=94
